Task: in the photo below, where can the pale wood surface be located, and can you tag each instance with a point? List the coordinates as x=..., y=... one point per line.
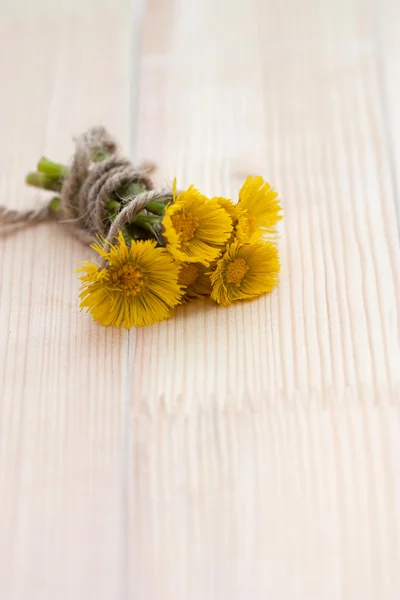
x=227, y=454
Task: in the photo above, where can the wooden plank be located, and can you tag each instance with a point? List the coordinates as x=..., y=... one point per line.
x=265, y=438
x=296, y=111
x=64, y=68
x=250, y=452
x=387, y=42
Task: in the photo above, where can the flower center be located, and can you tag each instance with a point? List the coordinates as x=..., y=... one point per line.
x=185, y=225
x=236, y=270
x=128, y=278
x=188, y=274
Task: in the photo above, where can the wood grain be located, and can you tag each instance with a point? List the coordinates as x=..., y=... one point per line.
x=65, y=68
x=264, y=438
x=244, y=453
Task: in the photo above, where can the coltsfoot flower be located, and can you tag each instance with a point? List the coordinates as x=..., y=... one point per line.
x=245, y=271
x=196, y=228
x=137, y=286
x=258, y=210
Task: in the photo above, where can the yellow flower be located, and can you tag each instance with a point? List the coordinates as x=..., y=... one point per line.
x=196, y=228
x=230, y=208
x=137, y=286
x=234, y=214
x=258, y=210
x=244, y=272
x=194, y=280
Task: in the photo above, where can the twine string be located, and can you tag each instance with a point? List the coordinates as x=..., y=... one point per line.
x=87, y=189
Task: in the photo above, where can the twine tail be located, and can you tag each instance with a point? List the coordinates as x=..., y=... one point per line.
x=9, y=217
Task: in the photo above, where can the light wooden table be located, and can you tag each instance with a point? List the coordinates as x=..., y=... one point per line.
x=250, y=453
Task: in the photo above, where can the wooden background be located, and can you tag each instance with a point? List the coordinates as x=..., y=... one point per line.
x=242, y=454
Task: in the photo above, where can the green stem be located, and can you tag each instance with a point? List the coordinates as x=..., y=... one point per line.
x=156, y=207
x=152, y=224
x=113, y=208
x=133, y=189
x=51, y=169
x=127, y=236
x=41, y=180
x=146, y=221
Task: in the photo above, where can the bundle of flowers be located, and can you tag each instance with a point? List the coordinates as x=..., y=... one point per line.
x=158, y=249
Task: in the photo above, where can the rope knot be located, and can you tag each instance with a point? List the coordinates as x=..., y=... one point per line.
x=97, y=173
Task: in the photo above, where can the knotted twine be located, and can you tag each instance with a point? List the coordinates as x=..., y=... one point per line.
x=87, y=188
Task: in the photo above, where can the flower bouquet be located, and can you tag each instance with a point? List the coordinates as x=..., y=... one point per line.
x=156, y=249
